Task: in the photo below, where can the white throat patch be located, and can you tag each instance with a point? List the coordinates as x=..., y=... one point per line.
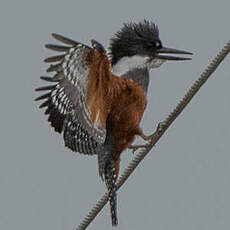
x=126, y=64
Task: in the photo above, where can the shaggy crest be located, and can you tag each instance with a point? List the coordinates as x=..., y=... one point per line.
x=134, y=38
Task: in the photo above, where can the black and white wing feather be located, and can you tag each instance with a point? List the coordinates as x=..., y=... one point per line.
x=65, y=101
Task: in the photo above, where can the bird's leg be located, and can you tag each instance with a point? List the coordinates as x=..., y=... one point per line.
x=134, y=148
x=149, y=138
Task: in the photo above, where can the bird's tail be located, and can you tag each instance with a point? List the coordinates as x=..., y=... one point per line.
x=110, y=181
x=107, y=172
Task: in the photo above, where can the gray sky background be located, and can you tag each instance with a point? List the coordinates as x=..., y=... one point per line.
x=184, y=183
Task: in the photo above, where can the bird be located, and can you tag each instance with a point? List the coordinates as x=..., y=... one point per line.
x=98, y=97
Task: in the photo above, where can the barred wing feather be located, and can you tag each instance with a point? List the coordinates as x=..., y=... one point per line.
x=65, y=101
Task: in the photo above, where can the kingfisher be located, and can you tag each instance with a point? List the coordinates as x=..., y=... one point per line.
x=98, y=98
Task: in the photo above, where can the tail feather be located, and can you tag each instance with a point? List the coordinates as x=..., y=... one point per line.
x=107, y=171
x=110, y=180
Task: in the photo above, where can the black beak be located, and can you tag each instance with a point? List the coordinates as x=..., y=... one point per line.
x=165, y=50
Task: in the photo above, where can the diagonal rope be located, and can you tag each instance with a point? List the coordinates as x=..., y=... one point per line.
x=162, y=127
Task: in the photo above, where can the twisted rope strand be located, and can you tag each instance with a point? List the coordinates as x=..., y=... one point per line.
x=162, y=127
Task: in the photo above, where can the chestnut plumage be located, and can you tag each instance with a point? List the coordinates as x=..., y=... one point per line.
x=97, y=103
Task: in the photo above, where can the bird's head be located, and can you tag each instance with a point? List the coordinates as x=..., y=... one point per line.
x=138, y=44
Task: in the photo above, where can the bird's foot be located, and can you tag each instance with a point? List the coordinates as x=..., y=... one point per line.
x=134, y=148
x=161, y=126
x=147, y=138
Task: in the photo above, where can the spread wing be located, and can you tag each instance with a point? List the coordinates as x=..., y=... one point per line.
x=65, y=101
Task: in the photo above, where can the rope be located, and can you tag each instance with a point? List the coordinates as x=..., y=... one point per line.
x=162, y=127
